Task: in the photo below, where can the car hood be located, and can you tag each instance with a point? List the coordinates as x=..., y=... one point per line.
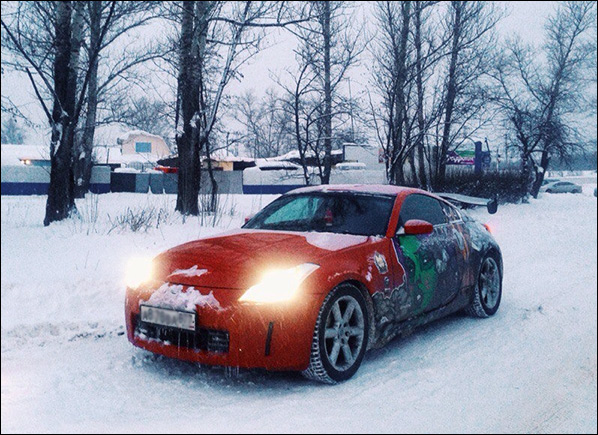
x=238, y=259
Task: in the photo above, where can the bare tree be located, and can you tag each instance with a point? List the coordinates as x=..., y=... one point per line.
x=108, y=68
x=267, y=126
x=329, y=45
x=406, y=52
x=216, y=38
x=295, y=104
x=42, y=38
x=392, y=79
x=12, y=132
x=470, y=27
x=303, y=103
x=539, y=99
x=144, y=113
x=45, y=39
x=427, y=51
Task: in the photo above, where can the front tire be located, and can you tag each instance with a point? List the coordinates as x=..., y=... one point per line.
x=340, y=336
x=488, y=290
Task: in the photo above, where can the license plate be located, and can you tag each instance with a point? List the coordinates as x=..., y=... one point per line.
x=164, y=317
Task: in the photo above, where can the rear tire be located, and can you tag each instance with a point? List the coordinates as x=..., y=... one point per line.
x=488, y=290
x=340, y=336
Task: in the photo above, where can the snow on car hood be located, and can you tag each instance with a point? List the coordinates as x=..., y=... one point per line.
x=238, y=259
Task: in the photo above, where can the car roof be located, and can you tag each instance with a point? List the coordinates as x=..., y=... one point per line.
x=381, y=189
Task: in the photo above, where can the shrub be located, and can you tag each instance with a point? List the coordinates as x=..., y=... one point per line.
x=506, y=186
x=139, y=219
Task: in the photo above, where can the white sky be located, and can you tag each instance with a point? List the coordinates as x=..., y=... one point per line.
x=525, y=19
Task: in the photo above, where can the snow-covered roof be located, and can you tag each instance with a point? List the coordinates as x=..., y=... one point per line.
x=278, y=164
x=288, y=156
x=134, y=133
x=114, y=155
x=15, y=154
x=294, y=154
x=104, y=155
x=361, y=145
x=348, y=166
x=224, y=156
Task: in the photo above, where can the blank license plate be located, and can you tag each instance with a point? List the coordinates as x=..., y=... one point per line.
x=171, y=318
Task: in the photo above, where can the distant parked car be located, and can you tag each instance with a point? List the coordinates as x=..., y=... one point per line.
x=561, y=187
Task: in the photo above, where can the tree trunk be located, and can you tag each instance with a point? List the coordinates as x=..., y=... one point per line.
x=411, y=159
x=189, y=79
x=326, y=32
x=400, y=63
x=540, y=173
x=423, y=181
x=213, y=182
x=297, y=125
x=60, y=203
x=451, y=93
x=84, y=155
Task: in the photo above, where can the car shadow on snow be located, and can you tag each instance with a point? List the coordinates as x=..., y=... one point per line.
x=455, y=334
x=159, y=366
x=405, y=351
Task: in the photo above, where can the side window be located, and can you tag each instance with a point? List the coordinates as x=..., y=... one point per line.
x=422, y=207
x=451, y=212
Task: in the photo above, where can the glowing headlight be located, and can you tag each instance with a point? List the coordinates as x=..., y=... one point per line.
x=279, y=285
x=139, y=270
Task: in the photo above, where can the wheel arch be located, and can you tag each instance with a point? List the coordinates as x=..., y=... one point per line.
x=370, y=308
x=497, y=255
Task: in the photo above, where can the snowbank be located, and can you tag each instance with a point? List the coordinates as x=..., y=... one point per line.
x=66, y=365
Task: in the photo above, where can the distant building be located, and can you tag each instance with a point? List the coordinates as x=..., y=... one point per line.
x=224, y=161
x=370, y=156
x=26, y=171
x=310, y=158
x=135, y=149
x=29, y=155
x=148, y=146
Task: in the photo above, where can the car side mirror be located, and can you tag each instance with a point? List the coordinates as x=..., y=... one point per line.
x=248, y=218
x=415, y=227
x=492, y=206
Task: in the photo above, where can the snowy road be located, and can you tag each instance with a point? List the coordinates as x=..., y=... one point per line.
x=67, y=367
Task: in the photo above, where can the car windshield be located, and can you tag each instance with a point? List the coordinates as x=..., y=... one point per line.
x=338, y=212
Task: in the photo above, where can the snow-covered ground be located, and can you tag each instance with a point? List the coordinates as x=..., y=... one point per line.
x=67, y=367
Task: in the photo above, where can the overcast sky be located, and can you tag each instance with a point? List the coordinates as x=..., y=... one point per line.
x=525, y=19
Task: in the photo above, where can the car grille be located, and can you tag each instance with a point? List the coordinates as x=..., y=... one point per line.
x=202, y=339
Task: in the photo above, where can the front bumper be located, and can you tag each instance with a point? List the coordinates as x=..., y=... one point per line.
x=269, y=336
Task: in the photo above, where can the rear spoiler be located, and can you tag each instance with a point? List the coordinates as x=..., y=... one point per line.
x=470, y=201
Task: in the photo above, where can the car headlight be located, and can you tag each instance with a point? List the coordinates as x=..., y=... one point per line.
x=139, y=270
x=279, y=285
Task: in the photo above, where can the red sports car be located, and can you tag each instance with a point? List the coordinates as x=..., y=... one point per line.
x=315, y=279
